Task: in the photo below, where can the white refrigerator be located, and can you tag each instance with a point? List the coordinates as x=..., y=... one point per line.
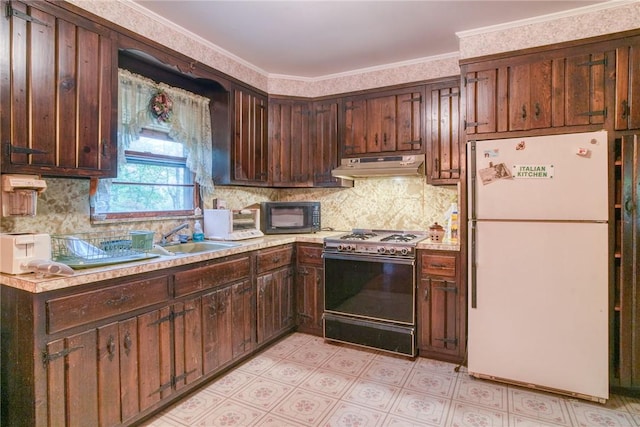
x=538, y=262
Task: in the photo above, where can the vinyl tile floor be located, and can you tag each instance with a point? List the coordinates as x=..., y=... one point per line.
x=304, y=381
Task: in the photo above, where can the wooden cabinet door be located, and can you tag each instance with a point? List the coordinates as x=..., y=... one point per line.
x=441, y=307
x=585, y=83
x=217, y=329
x=242, y=313
x=627, y=109
x=59, y=108
x=274, y=303
x=250, y=142
x=290, y=147
x=409, y=121
x=154, y=356
x=530, y=88
x=187, y=338
x=627, y=299
x=381, y=124
x=355, y=127
x=325, y=138
x=310, y=299
x=309, y=288
x=443, y=128
x=72, y=380
x=482, y=101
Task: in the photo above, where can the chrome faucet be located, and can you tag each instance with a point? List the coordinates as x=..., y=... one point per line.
x=163, y=241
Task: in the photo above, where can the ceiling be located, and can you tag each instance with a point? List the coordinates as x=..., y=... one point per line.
x=311, y=39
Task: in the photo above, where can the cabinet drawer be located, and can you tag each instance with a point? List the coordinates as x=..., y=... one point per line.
x=223, y=272
x=439, y=265
x=274, y=258
x=78, y=309
x=310, y=254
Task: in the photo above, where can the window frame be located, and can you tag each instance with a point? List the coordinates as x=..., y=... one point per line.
x=197, y=202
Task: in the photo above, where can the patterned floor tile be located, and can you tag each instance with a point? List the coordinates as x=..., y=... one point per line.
x=520, y=421
x=162, y=420
x=305, y=407
x=589, y=415
x=431, y=382
x=288, y=372
x=231, y=382
x=632, y=404
x=192, y=408
x=393, y=420
x=230, y=414
x=311, y=355
x=483, y=393
x=347, y=362
x=271, y=420
x=431, y=410
x=260, y=363
x=394, y=358
x=385, y=372
x=327, y=382
x=372, y=394
x=351, y=415
x=465, y=415
x=539, y=406
x=263, y=393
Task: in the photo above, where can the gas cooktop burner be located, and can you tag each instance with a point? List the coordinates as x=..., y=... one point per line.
x=399, y=238
x=359, y=235
x=375, y=243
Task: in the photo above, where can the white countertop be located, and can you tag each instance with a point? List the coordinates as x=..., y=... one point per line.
x=37, y=283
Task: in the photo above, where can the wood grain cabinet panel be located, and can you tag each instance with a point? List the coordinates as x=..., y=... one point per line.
x=63, y=89
x=221, y=272
x=309, y=288
x=385, y=122
x=441, y=306
x=445, y=154
x=250, y=142
x=627, y=102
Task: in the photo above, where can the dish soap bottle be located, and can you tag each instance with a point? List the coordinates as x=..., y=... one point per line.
x=198, y=234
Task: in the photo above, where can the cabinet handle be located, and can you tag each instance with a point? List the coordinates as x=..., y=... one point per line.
x=384, y=138
x=426, y=293
x=376, y=139
x=275, y=259
x=537, y=110
x=436, y=163
x=105, y=145
x=127, y=343
x=111, y=347
x=524, y=112
x=629, y=206
x=625, y=109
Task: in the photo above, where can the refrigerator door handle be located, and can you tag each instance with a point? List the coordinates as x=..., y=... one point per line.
x=472, y=269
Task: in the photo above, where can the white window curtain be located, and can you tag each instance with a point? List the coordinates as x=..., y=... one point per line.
x=189, y=123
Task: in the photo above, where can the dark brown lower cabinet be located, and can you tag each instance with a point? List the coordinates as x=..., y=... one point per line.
x=441, y=305
x=309, y=288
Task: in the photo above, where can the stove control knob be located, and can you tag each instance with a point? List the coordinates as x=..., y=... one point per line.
x=341, y=247
x=392, y=251
x=404, y=251
x=381, y=250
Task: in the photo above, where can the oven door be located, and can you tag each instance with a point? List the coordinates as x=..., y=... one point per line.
x=374, y=288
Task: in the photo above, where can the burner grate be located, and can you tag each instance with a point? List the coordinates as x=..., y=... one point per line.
x=359, y=236
x=399, y=238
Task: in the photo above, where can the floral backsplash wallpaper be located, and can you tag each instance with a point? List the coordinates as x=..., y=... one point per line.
x=406, y=203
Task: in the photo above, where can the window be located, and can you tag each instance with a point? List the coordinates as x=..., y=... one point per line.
x=164, y=152
x=153, y=178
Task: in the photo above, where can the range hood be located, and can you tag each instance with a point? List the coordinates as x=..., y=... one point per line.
x=364, y=167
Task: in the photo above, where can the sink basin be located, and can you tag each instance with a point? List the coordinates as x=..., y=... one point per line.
x=194, y=247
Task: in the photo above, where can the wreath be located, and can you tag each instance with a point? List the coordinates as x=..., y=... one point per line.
x=161, y=106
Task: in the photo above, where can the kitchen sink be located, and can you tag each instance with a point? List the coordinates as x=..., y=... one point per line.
x=193, y=248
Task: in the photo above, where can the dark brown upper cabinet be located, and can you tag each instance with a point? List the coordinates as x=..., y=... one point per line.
x=444, y=155
x=290, y=143
x=383, y=122
x=59, y=85
x=551, y=89
x=627, y=110
x=250, y=144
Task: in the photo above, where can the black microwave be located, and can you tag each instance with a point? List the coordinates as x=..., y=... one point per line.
x=289, y=217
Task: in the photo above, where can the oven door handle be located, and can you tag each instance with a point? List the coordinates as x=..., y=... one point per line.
x=369, y=258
